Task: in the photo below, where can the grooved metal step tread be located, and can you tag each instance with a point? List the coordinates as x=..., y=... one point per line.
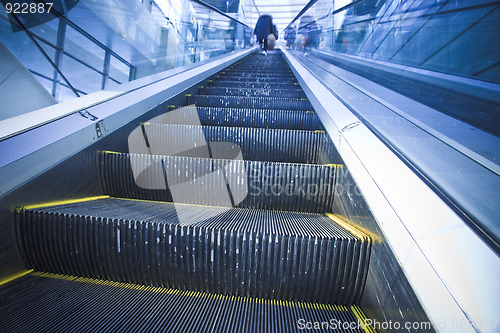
x=270, y=79
x=253, y=74
x=266, y=254
x=299, y=104
x=218, y=182
x=253, y=92
x=283, y=70
x=42, y=302
x=255, y=144
x=278, y=66
x=254, y=118
x=246, y=84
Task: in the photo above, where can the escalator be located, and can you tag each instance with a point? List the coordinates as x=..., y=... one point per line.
x=217, y=218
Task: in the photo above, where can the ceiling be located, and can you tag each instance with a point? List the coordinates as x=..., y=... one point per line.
x=227, y=6
x=282, y=11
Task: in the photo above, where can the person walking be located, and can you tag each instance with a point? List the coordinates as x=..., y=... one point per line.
x=263, y=29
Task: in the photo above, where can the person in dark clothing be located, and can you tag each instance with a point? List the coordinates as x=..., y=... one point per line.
x=263, y=28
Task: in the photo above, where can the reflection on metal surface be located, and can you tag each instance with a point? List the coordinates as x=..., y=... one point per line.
x=349, y=227
x=363, y=232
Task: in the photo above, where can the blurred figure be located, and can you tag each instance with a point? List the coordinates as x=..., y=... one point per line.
x=248, y=37
x=290, y=35
x=299, y=42
x=310, y=33
x=314, y=35
x=263, y=29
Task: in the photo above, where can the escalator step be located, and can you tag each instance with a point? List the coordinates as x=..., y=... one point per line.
x=264, y=254
x=256, y=144
x=44, y=302
x=253, y=92
x=215, y=182
x=267, y=78
x=258, y=85
x=271, y=57
x=256, y=75
x=259, y=70
x=252, y=102
x=255, y=118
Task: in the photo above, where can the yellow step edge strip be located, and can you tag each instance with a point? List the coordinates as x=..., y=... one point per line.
x=333, y=165
x=62, y=202
x=374, y=238
x=360, y=316
x=346, y=225
x=14, y=276
x=187, y=293
x=108, y=152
